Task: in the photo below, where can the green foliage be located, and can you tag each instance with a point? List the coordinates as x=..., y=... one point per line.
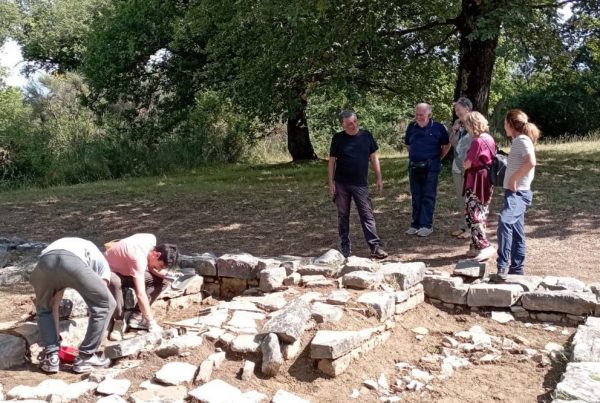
x=9, y=19
x=53, y=33
x=14, y=133
x=568, y=106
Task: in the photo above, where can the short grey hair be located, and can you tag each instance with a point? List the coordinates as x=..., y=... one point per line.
x=346, y=114
x=465, y=103
x=425, y=105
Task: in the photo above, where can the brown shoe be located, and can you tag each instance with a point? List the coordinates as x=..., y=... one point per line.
x=379, y=253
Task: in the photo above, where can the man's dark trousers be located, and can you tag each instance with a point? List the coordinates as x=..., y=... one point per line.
x=344, y=195
x=423, y=189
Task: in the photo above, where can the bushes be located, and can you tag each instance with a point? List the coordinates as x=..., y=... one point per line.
x=569, y=106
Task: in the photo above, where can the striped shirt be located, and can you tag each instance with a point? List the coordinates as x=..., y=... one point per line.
x=521, y=147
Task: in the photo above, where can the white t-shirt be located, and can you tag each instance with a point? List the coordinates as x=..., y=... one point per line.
x=521, y=147
x=86, y=251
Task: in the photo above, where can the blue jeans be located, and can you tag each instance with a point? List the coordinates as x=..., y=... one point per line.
x=344, y=193
x=423, y=189
x=511, y=231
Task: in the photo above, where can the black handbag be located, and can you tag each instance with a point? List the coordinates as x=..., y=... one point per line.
x=419, y=167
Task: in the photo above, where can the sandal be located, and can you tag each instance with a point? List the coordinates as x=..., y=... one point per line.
x=464, y=235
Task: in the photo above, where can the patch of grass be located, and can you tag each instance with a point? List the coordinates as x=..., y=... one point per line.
x=567, y=177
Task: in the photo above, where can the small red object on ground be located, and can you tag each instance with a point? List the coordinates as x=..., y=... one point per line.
x=68, y=354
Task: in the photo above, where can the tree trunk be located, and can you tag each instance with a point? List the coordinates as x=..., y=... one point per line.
x=476, y=57
x=299, y=144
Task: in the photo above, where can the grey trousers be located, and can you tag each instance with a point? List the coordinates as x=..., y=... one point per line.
x=460, y=199
x=57, y=270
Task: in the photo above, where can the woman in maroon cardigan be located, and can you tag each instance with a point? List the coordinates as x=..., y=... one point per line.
x=477, y=188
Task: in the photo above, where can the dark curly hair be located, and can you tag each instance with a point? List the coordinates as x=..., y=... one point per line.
x=169, y=253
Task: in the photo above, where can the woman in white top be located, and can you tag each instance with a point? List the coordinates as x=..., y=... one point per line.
x=461, y=141
x=520, y=171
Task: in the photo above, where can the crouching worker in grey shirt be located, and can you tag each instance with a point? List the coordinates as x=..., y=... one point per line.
x=78, y=264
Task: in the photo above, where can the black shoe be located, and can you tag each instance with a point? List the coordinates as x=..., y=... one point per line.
x=379, y=253
x=345, y=251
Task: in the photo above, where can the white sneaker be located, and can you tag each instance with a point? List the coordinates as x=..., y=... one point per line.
x=424, y=231
x=88, y=364
x=411, y=231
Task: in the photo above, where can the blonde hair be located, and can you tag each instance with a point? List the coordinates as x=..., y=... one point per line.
x=519, y=121
x=477, y=123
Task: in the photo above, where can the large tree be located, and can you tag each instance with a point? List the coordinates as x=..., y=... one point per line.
x=271, y=56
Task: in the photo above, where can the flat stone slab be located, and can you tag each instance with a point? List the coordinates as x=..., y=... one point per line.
x=469, y=268
x=554, y=283
x=244, y=322
x=246, y=343
x=361, y=280
x=167, y=394
x=355, y=263
x=176, y=373
x=586, y=342
x=574, y=303
x=111, y=399
x=338, y=297
x=447, y=289
x=330, y=258
x=12, y=351
x=529, y=283
x=382, y=302
x=325, y=313
x=311, y=269
x=333, y=344
x=241, y=265
x=52, y=388
x=498, y=295
x=403, y=275
x=581, y=381
x=502, y=316
x=270, y=302
x=288, y=323
x=204, y=264
x=131, y=346
x=178, y=345
x=112, y=386
x=217, y=391
x=272, y=279
x=316, y=280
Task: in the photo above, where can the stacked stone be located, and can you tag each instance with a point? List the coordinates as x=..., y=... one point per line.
x=581, y=380
x=549, y=299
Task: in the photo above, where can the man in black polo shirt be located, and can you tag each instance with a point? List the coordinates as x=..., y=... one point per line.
x=349, y=156
x=427, y=142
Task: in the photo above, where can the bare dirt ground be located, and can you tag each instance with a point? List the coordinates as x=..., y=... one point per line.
x=290, y=219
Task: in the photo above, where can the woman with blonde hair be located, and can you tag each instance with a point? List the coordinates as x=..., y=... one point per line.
x=520, y=171
x=461, y=141
x=477, y=188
